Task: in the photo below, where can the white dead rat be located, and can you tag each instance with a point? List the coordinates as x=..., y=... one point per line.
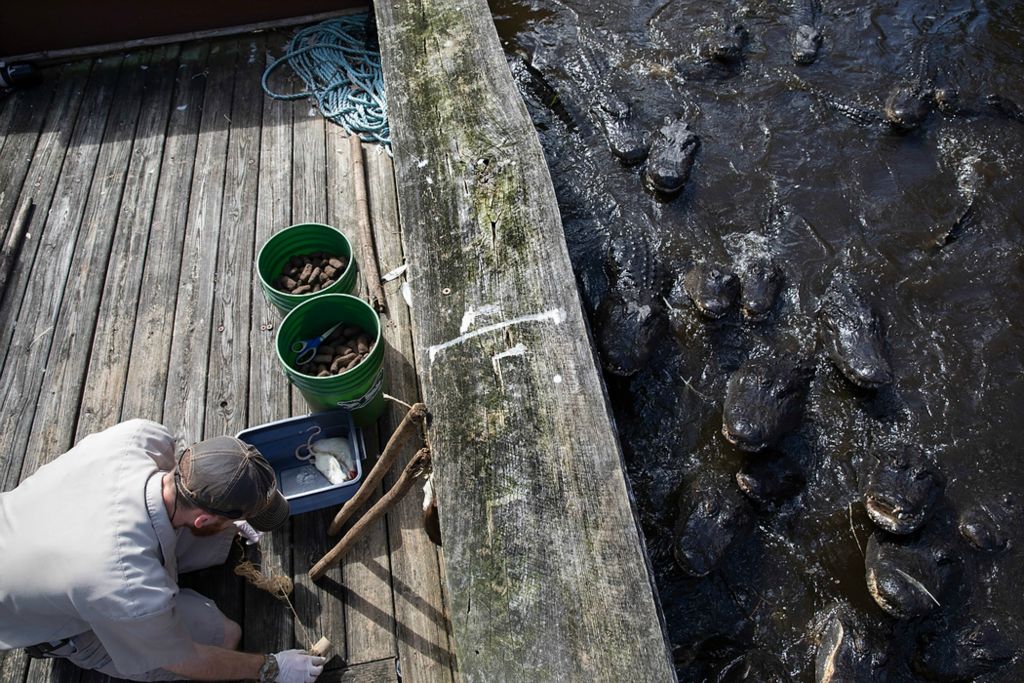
x=333, y=457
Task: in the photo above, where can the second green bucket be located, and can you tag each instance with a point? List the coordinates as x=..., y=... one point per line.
x=361, y=389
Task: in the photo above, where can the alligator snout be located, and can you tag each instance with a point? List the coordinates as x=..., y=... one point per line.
x=745, y=434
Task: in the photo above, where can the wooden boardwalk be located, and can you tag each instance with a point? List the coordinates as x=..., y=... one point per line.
x=155, y=176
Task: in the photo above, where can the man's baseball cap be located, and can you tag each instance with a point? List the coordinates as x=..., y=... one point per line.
x=228, y=477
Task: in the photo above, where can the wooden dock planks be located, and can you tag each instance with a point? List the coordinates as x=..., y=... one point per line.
x=423, y=638
x=154, y=188
x=269, y=393
x=104, y=386
x=369, y=614
x=25, y=365
x=547, y=575
x=151, y=341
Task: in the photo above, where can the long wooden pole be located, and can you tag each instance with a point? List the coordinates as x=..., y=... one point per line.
x=417, y=413
x=405, y=482
x=368, y=255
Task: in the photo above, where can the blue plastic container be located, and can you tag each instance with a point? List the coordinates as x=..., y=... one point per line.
x=303, y=486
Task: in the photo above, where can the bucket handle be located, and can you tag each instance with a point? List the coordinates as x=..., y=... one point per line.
x=365, y=399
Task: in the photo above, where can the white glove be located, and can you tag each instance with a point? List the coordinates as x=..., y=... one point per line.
x=298, y=666
x=245, y=529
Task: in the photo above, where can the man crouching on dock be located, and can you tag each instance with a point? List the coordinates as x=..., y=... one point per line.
x=91, y=546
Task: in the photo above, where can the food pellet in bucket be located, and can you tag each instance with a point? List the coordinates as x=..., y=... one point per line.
x=344, y=349
x=310, y=273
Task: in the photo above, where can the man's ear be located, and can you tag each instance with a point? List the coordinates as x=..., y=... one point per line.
x=204, y=519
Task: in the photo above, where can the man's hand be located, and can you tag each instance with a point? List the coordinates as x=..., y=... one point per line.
x=245, y=529
x=298, y=666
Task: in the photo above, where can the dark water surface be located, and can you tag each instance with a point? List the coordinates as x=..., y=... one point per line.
x=781, y=171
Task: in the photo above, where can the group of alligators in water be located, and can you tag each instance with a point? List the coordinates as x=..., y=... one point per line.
x=908, y=571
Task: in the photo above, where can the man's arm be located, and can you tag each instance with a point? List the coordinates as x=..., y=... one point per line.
x=211, y=663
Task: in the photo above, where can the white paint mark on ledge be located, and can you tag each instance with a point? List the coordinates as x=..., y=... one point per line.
x=517, y=350
x=555, y=315
x=470, y=316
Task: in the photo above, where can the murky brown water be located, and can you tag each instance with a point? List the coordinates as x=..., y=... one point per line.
x=782, y=172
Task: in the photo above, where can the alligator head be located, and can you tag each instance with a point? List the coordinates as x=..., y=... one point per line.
x=764, y=400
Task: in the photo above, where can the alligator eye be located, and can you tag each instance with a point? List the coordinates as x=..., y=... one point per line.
x=765, y=382
x=922, y=474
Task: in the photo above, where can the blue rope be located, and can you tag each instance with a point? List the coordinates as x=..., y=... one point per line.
x=342, y=73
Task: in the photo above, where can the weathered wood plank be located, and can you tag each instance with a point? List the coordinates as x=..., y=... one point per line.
x=227, y=385
x=545, y=566
x=104, y=390
x=39, y=186
x=26, y=112
x=185, y=399
x=26, y=363
x=320, y=606
x=151, y=339
x=7, y=113
x=379, y=671
x=423, y=628
x=269, y=397
x=185, y=396
x=13, y=666
x=40, y=314
x=228, y=372
x=53, y=429
x=369, y=615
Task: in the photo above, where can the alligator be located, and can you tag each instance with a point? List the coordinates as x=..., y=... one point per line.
x=728, y=44
x=806, y=39
x=907, y=104
x=629, y=317
x=976, y=648
x=764, y=399
x=625, y=138
x=988, y=526
x=901, y=489
x=712, y=516
x=762, y=281
x=712, y=289
x=671, y=158
x=847, y=648
x=583, y=94
x=721, y=53
x=770, y=479
x=629, y=320
x=1006, y=107
x=853, y=335
x=909, y=580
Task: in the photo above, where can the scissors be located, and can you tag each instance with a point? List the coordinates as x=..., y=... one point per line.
x=307, y=349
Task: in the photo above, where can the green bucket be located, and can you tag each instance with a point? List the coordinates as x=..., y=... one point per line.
x=361, y=389
x=297, y=240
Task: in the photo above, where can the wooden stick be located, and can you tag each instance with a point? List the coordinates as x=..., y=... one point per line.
x=417, y=413
x=368, y=255
x=12, y=245
x=405, y=482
